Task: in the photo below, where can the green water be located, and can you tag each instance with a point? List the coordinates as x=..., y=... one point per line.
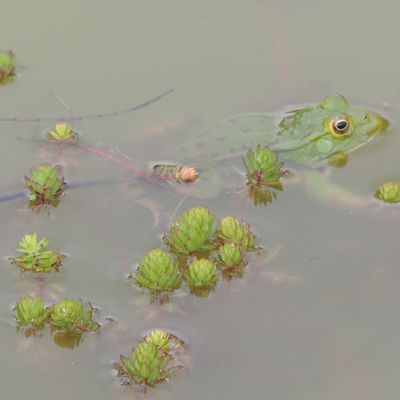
x=317, y=321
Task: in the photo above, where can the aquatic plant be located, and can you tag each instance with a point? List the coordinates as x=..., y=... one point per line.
x=262, y=167
x=201, y=277
x=61, y=132
x=34, y=257
x=159, y=338
x=73, y=316
x=31, y=313
x=158, y=272
x=45, y=184
x=148, y=365
x=7, y=66
x=389, y=192
x=229, y=255
x=230, y=229
x=192, y=232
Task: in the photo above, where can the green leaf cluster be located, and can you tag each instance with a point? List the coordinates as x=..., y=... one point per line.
x=7, y=66
x=158, y=272
x=152, y=360
x=34, y=258
x=69, y=316
x=201, y=277
x=61, y=132
x=196, y=250
x=389, y=192
x=191, y=232
x=73, y=316
x=262, y=167
x=31, y=313
x=45, y=184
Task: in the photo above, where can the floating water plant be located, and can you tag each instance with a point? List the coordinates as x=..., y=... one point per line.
x=147, y=366
x=262, y=167
x=158, y=272
x=192, y=233
x=194, y=249
x=61, y=133
x=73, y=316
x=229, y=255
x=231, y=230
x=7, y=66
x=160, y=339
x=201, y=277
x=34, y=257
x=152, y=360
x=45, y=184
x=31, y=314
x=389, y=192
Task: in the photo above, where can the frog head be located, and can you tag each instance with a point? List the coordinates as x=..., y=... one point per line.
x=317, y=133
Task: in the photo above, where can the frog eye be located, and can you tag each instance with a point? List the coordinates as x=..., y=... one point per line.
x=341, y=126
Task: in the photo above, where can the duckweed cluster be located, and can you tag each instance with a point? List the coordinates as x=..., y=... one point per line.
x=196, y=252
x=152, y=360
x=68, y=316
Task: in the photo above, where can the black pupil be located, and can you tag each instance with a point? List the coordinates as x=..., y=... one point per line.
x=341, y=125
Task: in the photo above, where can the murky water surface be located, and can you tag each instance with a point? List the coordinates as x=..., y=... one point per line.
x=317, y=321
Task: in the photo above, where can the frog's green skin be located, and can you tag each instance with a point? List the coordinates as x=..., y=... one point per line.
x=303, y=136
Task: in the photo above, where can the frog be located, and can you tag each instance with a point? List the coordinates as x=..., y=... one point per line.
x=313, y=136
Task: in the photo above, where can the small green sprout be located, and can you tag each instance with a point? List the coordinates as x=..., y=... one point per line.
x=73, y=316
x=201, y=277
x=192, y=232
x=7, y=66
x=158, y=272
x=31, y=313
x=147, y=366
x=34, y=257
x=159, y=338
x=389, y=192
x=231, y=230
x=61, y=133
x=229, y=255
x=262, y=167
x=45, y=184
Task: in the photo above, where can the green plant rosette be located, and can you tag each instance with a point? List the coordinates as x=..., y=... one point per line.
x=34, y=258
x=389, y=192
x=201, y=277
x=262, y=167
x=73, y=316
x=192, y=232
x=158, y=272
x=46, y=185
x=61, y=132
x=231, y=230
x=7, y=66
x=31, y=312
x=147, y=366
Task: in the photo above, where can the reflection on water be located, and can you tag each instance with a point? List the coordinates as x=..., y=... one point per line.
x=316, y=319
